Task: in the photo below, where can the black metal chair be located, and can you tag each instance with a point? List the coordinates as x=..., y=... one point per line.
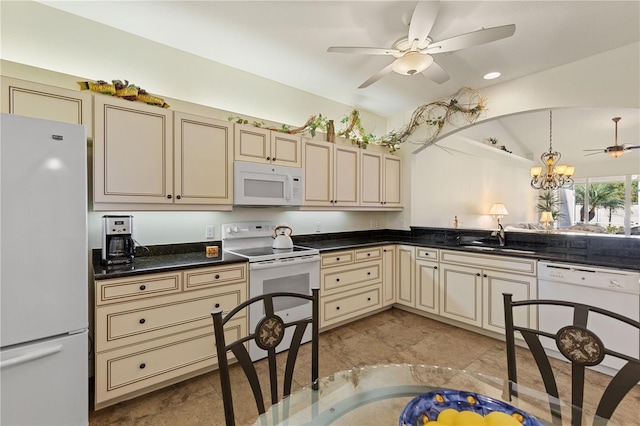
x=267, y=335
x=581, y=347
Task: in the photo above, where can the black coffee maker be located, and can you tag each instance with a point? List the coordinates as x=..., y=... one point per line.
x=118, y=246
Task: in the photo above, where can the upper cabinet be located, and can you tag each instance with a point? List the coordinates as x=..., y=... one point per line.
x=140, y=163
x=332, y=174
x=266, y=146
x=381, y=180
x=48, y=102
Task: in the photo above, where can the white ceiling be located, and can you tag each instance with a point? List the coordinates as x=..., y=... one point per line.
x=287, y=41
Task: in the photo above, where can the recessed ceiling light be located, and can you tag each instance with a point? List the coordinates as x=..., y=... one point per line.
x=491, y=75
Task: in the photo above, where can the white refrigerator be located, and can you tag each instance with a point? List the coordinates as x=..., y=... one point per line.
x=43, y=273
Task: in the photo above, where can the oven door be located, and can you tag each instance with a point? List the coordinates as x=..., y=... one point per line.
x=296, y=275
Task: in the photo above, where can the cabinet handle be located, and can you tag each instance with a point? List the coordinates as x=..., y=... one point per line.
x=217, y=277
x=169, y=196
x=143, y=365
x=178, y=197
x=142, y=320
x=217, y=305
x=478, y=274
x=143, y=287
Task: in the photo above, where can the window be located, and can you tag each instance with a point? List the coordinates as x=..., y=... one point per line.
x=604, y=204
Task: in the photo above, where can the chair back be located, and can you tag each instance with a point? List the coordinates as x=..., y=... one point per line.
x=267, y=334
x=581, y=347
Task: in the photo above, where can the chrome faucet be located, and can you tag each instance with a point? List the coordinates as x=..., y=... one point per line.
x=500, y=234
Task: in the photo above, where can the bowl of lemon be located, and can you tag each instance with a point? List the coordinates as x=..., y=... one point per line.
x=448, y=407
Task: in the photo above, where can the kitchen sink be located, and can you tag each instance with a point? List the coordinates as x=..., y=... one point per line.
x=514, y=250
x=499, y=249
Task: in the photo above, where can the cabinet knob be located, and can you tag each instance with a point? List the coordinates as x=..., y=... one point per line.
x=273, y=159
x=143, y=365
x=337, y=279
x=337, y=308
x=435, y=267
x=368, y=299
x=143, y=287
x=478, y=274
x=484, y=275
x=426, y=254
x=217, y=305
x=368, y=254
x=142, y=320
x=337, y=259
x=268, y=158
x=368, y=273
x=178, y=197
x=169, y=196
x=217, y=277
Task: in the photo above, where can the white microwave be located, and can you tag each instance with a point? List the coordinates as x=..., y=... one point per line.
x=258, y=184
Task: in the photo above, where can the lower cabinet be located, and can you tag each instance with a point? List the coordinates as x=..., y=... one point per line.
x=350, y=284
x=405, y=282
x=388, y=275
x=154, y=330
x=427, y=280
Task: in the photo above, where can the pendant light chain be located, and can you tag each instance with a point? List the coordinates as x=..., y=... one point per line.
x=551, y=176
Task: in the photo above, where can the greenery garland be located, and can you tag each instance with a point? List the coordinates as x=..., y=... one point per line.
x=467, y=102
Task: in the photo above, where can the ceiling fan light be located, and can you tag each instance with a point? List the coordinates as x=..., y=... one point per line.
x=616, y=153
x=412, y=63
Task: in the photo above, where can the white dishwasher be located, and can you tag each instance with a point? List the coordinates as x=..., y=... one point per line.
x=611, y=289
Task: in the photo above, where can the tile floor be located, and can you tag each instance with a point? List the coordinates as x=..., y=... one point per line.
x=392, y=336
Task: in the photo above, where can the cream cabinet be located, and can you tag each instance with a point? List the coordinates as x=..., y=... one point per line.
x=381, y=180
x=471, y=287
x=155, y=330
x=388, y=275
x=267, y=146
x=37, y=100
x=350, y=284
x=150, y=158
x=427, y=280
x=405, y=275
x=332, y=174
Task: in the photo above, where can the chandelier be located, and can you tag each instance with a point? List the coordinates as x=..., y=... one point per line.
x=554, y=177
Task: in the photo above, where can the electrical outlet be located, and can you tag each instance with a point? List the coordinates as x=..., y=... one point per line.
x=374, y=224
x=318, y=229
x=209, y=231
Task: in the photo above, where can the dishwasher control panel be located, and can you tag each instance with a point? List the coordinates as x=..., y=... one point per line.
x=583, y=275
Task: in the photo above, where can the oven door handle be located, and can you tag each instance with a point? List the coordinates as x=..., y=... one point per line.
x=269, y=265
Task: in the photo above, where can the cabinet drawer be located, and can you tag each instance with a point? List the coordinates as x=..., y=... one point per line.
x=369, y=254
x=134, y=322
x=142, y=368
x=337, y=258
x=201, y=278
x=350, y=304
x=125, y=289
x=345, y=278
x=502, y=263
x=427, y=254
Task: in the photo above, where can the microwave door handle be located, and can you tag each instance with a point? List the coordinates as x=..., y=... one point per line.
x=290, y=191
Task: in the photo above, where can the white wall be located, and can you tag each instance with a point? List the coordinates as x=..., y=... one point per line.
x=444, y=185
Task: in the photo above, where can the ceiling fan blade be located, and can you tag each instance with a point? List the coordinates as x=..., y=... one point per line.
x=436, y=73
x=631, y=147
x=595, y=149
x=472, y=39
x=363, y=50
x=594, y=153
x=384, y=71
x=424, y=15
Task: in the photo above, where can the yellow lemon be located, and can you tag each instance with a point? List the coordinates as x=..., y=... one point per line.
x=468, y=418
x=446, y=416
x=496, y=418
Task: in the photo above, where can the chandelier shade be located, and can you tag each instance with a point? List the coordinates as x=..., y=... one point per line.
x=552, y=175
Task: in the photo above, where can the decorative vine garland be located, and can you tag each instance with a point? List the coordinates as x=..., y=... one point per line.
x=467, y=102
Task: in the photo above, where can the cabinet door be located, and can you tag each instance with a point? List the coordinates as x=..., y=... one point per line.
x=388, y=275
x=392, y=181
x=461, y=293
x=30, y=99
x=521, y=286
x=252, y=144
x=286, y=150
x=426, y=279
x=318, y=173
x=371, y=182
x=133, y=152
x=346, y=168
x=203, y=159
x=405, y=276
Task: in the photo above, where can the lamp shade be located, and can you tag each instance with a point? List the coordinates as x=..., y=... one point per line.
x=546, y=217
x=498, y=209
x=412, y=63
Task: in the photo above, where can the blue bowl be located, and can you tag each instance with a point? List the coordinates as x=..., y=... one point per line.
x=432, y=403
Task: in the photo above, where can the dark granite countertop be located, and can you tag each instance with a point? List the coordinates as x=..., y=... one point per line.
x=164, y=258
x=618, y=253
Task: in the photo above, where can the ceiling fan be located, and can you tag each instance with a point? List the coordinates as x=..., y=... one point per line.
x=414, y=53
x=614, y=150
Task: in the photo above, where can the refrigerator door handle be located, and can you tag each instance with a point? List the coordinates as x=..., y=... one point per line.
x=33, y=355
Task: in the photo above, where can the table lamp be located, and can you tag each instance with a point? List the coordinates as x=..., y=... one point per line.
x=498, y=210
x=546, y=218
